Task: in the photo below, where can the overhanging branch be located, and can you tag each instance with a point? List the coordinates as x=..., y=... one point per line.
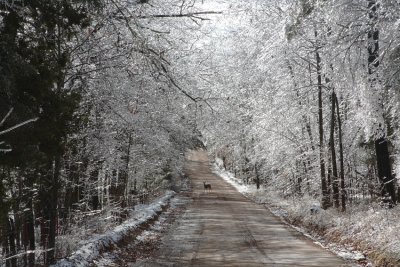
x=17, y=126
x=190, y=14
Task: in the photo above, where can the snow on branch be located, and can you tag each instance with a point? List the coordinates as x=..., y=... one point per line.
x=17, y=126
x=8, y=149
x=190, y=14
x=6, y=116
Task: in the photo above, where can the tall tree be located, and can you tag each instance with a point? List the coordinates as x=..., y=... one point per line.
x=36, y=48
x=375, y=85
x=332, y=148
x=324, y=189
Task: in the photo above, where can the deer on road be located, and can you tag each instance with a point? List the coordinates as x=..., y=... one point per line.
x=207, y=187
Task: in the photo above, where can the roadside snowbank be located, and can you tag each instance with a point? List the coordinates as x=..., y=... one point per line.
x=93, y=247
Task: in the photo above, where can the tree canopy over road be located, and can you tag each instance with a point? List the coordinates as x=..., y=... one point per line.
x=100, y=99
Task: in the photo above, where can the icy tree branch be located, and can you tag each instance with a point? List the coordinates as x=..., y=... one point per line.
x=18, y=125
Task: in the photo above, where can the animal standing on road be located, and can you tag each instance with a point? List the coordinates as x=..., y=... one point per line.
x=207, y=187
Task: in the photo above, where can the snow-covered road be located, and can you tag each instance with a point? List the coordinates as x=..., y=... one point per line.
x=223, y=228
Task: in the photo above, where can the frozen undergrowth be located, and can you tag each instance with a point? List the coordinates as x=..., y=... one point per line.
x=366, y=228
x=91, y=249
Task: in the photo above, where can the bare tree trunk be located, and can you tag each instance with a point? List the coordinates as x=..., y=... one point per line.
x=335, y=182
x=11, y=241
x=381, y=142
x=257, y=176
x=52, y=209
x=29, y=223
x=31, y=235
x=343, y=192
x=329, y=179
x=325, y=197
x=17, y=215
x=128, y=160
x=7, y=226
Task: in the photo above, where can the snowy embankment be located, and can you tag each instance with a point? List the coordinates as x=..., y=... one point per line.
x=98, y=243
x=343, y=233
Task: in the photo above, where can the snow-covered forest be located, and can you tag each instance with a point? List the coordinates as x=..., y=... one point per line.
x=100, y=99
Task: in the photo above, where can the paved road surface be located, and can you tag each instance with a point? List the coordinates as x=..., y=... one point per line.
x=223, y=228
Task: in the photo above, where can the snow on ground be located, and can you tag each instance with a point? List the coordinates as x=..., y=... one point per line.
x=353, y=226
x=146, y=242
x=92, y=247
x=107, y=259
